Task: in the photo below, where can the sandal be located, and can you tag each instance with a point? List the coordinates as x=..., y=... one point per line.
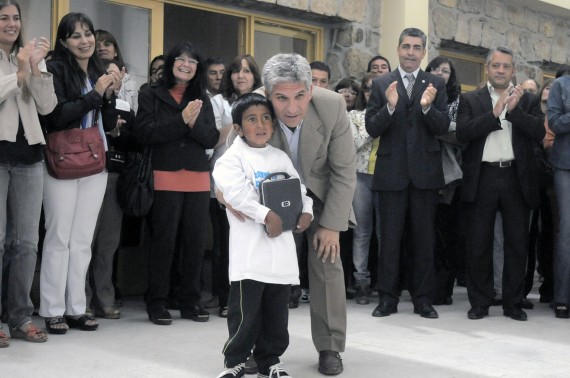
x=29, y=332
x=4, y=339
x=108, y=312
x=56, y=325
x=81, y=322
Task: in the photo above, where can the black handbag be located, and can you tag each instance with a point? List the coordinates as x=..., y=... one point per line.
x=135, y=186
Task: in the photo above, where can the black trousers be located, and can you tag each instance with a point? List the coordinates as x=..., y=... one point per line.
x=499, y=189
x=258, y=314
x=220, y=249
x=171, y=212
x=418, y=207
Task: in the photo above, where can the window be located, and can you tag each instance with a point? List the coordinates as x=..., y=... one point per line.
x=470, y=70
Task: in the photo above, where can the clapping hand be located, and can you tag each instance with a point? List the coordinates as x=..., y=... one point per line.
x=191, y=111
x=38, y=49
x=428, y=96
x=392, y=95
x=514, y=97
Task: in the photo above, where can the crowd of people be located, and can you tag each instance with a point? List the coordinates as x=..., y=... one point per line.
x=407, y=184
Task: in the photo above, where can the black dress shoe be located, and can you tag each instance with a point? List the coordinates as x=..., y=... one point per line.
x=196, y=313
x=385, y=308
x=426, y=311
x=477, y=313
x=330, y=362
x=561, y=311
x=363, y=295
x=515, y=314
x=526, y=304
x=160, y=316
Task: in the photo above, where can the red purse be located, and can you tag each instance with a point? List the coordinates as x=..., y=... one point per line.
x=75, y=153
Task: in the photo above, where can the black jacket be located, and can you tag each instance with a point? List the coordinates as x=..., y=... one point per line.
x=475, y=121
x=71, y=104
x=175, y=145
x=409, y=150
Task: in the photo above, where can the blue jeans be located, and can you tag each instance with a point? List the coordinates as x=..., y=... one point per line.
x=363, y=203
x=21, y=188
x=562, y=249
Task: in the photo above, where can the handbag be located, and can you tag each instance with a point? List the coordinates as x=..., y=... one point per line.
x=283, y=196
x=75, y=153
x=135, y=186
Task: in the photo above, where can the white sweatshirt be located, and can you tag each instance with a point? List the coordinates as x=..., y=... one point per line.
x=253, y=255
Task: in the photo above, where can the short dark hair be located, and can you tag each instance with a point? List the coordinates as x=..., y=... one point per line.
x=213, y=60
x=347, y=83
x=247, y=101
x=378, y=57
x=227, y=87
x=413, y=32
x=321, y=66
x=453, y=88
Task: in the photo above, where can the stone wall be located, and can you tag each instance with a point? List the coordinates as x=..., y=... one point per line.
x=352, y=29
x=539, y=40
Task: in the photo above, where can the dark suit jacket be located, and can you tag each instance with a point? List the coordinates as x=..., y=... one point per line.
x=159, y=122
x=475, y=120
x=408, y=150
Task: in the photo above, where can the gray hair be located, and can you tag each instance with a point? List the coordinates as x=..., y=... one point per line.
x=286, y=68
x=413, y=32
x=501, y=49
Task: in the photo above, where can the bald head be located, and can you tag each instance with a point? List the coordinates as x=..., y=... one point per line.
x=530, y=86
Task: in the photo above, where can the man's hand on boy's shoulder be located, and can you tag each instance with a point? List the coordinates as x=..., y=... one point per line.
x=273, y=224
x=304, y=222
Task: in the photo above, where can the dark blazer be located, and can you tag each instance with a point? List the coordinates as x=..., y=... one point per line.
x=475, y=120
x=175, y=145
x=71, y=104
x=409, y=149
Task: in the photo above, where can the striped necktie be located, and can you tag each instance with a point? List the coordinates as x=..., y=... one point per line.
x=410, y=86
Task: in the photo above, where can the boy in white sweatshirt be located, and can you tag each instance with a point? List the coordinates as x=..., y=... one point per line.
x=263, y=264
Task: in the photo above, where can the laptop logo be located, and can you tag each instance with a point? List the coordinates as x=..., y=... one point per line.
x=285, y=203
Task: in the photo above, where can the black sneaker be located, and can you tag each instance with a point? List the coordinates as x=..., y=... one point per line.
x=250, y=366
x=275, y=371
x=160, y=316
x=196, y=313
x=235, y=372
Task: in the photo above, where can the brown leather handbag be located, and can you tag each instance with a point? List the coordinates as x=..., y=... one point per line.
x=75, y=153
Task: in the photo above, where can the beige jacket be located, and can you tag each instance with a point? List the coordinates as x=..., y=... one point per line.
x=36, y=96
x=327, y=156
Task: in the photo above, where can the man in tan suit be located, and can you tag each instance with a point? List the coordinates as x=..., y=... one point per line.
x=312, y=127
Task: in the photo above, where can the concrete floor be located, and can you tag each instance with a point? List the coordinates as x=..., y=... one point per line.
x=401, y=345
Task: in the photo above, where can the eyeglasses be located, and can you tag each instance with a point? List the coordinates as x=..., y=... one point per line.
x=183, y=60
x=347, y=91
x=444, y=71
x=366, y=89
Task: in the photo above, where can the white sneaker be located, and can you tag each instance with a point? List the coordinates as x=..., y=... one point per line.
x=275, y=371
x=234, y=372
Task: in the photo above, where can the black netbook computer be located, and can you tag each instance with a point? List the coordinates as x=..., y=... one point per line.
x=283, y=195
